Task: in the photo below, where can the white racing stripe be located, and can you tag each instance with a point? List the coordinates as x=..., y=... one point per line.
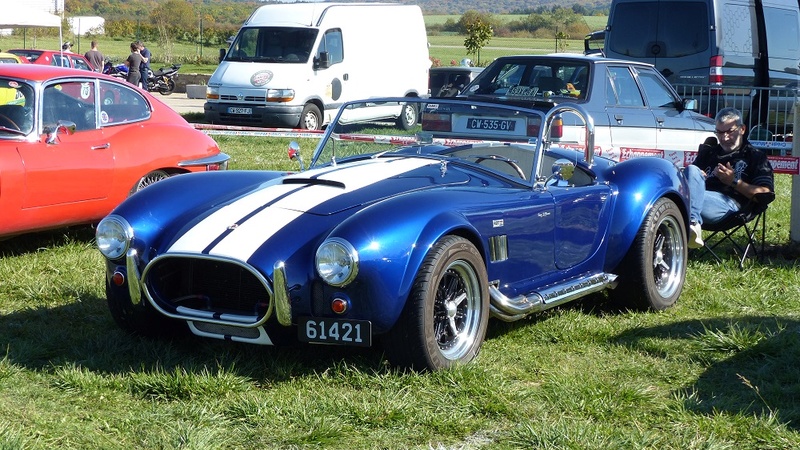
x=248, y=236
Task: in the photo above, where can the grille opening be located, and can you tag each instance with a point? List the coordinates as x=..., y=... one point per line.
x=207, y=285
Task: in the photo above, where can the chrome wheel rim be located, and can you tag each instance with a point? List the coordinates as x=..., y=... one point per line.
x=457, y=310
x=668, y=257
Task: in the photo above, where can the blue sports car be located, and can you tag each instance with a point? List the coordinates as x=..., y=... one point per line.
x=409, y=232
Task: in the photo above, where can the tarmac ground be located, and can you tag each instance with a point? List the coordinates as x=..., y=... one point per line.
x=181, y=103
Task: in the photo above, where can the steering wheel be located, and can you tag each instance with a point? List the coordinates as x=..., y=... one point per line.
x=510, y=162
x=7, y=119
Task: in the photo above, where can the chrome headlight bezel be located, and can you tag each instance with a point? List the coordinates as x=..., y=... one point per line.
x=336, y=262
x=113, y=236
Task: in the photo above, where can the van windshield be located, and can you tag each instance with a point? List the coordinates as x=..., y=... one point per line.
x=273, y=44
x=659, y=29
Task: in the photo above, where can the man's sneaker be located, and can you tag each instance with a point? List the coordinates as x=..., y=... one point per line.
x=695, y=236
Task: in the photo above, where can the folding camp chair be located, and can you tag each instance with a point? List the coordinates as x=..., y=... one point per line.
x=752, y=219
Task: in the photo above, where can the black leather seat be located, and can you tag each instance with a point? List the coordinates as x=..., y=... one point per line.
x=740, y=231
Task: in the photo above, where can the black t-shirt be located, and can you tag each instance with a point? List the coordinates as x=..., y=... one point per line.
x=750, y=163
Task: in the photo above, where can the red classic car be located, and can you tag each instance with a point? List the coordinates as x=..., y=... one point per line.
x=74, y=144
x=53, y=58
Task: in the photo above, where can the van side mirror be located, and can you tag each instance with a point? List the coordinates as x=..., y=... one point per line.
x=222, y=53
x=323, y=62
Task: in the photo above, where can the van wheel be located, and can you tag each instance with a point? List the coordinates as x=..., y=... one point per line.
x=408, y=117
x=310, y=119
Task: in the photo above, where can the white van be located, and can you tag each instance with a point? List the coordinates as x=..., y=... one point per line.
x=293, y=65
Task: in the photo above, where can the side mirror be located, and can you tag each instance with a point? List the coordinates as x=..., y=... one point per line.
x=563, y=169
x=294, y=154
x=62, y=126
x=222, y=53
x=690, y=104
x=323, y=62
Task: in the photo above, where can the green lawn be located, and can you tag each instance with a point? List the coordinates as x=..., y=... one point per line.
x=717, y=371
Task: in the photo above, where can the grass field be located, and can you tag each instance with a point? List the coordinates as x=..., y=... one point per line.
x=717, y=371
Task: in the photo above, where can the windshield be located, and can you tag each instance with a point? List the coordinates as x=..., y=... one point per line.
x=532, y=78
x=16, y=108
x=273, y=44
x=448, y=129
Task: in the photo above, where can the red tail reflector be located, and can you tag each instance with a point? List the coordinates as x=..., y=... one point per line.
x=436, y=122
x=715, y=78
x=533, y=127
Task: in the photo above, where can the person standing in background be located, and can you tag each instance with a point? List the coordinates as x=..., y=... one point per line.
x=134, y=63
x=95, y=58
x=145, y=67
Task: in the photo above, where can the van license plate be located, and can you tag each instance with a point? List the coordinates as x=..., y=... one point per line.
x=335, y=331
x=235, y=110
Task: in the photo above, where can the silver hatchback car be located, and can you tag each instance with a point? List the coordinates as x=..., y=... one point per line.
x=636, y=112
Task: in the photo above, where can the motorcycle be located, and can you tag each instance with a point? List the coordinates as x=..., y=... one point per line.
x=161, y=81
x=115, y=70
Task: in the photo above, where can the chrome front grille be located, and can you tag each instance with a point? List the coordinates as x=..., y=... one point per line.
x=206, y=284
x=247, y=98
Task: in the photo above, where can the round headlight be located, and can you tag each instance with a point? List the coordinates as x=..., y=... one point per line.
x=113, y=236
x=337, y=262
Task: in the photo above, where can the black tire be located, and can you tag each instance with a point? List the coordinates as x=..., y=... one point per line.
x=409, y=117
x=444, y=320
x=310, y=118
x=150, y=178
x=168, y=88
x=652, y=273
x=142, y=319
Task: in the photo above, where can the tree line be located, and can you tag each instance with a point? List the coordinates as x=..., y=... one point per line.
x=211, y=23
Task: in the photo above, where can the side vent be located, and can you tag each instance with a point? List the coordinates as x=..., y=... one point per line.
x=498, y=248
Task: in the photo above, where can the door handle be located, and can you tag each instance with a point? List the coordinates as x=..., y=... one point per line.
x=660, y=121
x=618, y=118
x=101, y=146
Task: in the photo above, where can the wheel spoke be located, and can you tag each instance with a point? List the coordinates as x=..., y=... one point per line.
x=451, y=321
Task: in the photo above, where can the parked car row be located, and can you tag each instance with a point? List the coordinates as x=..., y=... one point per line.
x=419, y=218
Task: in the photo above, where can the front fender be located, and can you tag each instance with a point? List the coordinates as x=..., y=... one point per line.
x=640, y=182
x=392, y=244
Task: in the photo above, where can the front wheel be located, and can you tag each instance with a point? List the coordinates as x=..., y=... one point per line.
x=444, y=320
x=310, y=118
x=653, y=271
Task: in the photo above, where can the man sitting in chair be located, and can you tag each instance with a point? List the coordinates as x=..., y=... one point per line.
x=725, y=175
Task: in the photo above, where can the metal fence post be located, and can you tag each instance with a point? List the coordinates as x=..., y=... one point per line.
x=794, y=212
